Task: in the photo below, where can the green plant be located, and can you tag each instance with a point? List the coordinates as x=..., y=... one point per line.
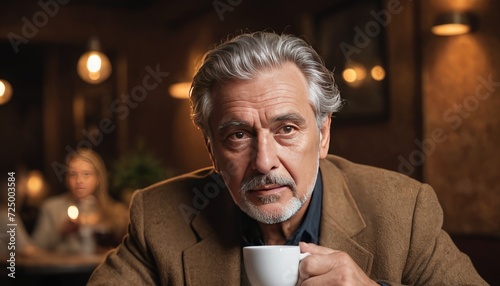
x=135, y=170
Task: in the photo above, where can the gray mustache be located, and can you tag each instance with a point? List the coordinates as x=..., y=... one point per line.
x=267, y=179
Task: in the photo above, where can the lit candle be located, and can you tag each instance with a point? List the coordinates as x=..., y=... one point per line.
x=73, y=212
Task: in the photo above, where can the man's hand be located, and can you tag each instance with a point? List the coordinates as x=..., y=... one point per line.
x=326, y=266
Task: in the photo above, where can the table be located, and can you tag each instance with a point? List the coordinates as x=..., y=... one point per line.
x=46, y=268
x=58, y=263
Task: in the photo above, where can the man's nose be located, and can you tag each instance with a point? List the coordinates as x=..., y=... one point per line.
x=264, y=154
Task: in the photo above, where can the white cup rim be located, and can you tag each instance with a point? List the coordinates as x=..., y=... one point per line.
x=270, y=246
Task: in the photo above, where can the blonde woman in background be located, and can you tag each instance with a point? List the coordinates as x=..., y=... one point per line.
x=87, y=182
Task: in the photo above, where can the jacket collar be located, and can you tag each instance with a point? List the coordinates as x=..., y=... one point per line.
x=210, y=262
x=216, y=258
x=341, y=219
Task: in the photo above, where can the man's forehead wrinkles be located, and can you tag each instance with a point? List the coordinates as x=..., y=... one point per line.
x=245, y=95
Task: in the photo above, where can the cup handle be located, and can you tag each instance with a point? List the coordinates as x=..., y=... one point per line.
x=304, y=255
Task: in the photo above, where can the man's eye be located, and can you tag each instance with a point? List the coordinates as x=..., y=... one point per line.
x=238, y=135
x=287, y=129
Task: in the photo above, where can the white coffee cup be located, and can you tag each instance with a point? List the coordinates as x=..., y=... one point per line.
x=272, y=265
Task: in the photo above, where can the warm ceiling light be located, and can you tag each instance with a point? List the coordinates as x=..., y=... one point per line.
x=180, y=90
x=452, y=24
x=5, y=91
x=94, y=67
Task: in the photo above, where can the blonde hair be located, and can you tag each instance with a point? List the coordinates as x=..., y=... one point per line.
x=96, y=161
x=114, y=213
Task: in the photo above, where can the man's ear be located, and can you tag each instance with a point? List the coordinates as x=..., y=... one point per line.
x=324, y=138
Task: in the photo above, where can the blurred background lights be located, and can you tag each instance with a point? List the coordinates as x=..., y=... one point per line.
x=451, y=24
x=180, y=90
x=349, y=75
x=35, y=183
x=378, y=73
x=360, y=72
x=450, y=29
x=73, y=212
x=94, y=63
x=5, y=91
x=93, y=66
x=354, y=75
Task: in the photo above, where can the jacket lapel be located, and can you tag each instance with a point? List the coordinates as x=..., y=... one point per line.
x=216, y=258
x=341, y=219
x=212, y=263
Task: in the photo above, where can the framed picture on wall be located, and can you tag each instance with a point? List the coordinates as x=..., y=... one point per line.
x=350, y=38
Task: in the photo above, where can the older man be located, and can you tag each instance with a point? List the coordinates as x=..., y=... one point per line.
x=264, y=103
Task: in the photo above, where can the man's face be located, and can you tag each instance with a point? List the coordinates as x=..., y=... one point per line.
x=266, y=143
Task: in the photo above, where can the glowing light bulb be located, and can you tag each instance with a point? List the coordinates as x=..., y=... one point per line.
x=5, y=91
x=94, y=67
x=94, y=63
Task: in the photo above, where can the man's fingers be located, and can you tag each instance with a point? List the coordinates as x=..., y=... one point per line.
x=315, y=249
x=323, y=262
x=314, y=265
x=317, y=263
x=334, y=266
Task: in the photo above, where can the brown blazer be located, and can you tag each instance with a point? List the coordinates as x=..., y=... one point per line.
x=184, y=231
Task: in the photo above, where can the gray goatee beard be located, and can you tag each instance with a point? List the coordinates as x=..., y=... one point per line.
x=286, y=211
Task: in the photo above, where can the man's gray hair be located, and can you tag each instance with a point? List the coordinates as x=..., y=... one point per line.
x=244, y=56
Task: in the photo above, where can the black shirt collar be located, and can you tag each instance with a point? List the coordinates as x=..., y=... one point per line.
x=307, y=232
